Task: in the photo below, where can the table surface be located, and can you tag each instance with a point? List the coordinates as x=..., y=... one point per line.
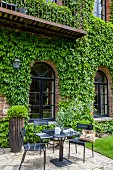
x=61, y=135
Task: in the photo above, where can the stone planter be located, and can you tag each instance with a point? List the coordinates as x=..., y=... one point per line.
x=15, y=125
x=22, y=10
x=102, y=135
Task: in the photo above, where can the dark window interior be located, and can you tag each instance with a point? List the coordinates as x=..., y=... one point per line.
x=42, y=92
x=101, y=95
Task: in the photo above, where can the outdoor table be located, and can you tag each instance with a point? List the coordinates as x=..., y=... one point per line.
x=61, y=161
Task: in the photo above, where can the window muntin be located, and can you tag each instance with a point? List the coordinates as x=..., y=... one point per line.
x=100, y=9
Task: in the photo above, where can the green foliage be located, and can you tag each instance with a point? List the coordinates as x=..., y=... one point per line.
x=50, y=11
x=72, y=13
x=17, y=111
x=111, y=11
x=30, y=132
x=60, y=118
x=15, y=84
x=104, y=127
x=4, y=133
x=76, y=112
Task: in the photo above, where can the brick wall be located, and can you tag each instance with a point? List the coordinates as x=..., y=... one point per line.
x=3, y=106
x=108, y=10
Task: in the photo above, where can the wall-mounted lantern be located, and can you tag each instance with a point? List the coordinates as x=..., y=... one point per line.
x=16, y=63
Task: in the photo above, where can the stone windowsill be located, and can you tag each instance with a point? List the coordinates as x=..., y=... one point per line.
x=103, y=119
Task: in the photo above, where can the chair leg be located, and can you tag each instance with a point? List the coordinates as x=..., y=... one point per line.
x=84, y=154
x=69, y=151
x=44, y=158
x=45, y=154
x=53, y=145
x=76, y=148
x=92, y=151
x=23, y=157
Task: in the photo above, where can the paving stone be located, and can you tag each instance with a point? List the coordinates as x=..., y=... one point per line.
x=8, y=167
x=34, y=161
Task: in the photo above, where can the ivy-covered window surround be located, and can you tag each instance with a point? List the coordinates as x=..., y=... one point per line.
x=101, y=95
x=100, y=9
x=42, y=91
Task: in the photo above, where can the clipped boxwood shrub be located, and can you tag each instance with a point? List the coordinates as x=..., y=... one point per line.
x=18, y=111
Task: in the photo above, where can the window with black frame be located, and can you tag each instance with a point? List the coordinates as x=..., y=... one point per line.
x=42, y=91
x=100, y=9
x=101, y=95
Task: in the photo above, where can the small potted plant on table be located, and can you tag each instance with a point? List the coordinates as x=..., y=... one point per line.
x=16, y=115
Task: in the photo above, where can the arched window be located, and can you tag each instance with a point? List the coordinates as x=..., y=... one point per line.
x=101, y=94
x=42, y=91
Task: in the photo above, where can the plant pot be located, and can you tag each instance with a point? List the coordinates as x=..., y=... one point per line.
x=22, y=10
x=15, y=125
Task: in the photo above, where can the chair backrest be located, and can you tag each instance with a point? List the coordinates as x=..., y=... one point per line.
x=84, y=126
x=40, y=122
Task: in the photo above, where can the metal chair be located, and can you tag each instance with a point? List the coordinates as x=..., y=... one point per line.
x=43, y=136
x=77, y=140
x=31, y=147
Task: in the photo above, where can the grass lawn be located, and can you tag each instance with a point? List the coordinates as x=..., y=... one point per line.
x=103, y=146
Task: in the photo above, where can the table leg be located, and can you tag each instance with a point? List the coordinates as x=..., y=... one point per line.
x=61, y=149
x=61, y=162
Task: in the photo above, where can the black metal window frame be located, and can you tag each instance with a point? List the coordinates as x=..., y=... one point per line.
x=100, y=9
x=99, y=105
x=40, y=92
x=41, y=99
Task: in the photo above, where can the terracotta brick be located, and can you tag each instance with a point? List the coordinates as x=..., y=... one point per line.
x=108, y=10
x=3, y=106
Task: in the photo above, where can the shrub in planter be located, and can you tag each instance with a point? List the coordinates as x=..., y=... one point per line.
x=16, y=115
x=17, y=111
x=75, y=112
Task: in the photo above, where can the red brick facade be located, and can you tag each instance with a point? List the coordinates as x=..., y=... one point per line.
x=3, y=106
x=108, y=10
